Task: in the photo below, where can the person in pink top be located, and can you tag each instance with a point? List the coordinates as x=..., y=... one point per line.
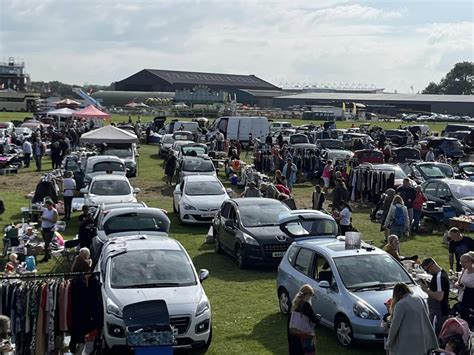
x=327, y=171
x=417, y=208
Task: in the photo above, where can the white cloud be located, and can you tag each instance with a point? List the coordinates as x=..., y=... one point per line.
x=312, y=41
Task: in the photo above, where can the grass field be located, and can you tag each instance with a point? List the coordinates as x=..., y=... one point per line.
x=246, y=319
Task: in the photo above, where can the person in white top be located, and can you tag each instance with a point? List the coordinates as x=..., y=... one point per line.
x=27, y=150
x=430, y=155
x=69, y=186
x=465, y=285
x=344, y=217
x=49, y=217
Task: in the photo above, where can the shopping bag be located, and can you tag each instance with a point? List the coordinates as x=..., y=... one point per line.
x=300, y=323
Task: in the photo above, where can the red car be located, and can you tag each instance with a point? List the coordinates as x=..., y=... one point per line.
x=372, y=156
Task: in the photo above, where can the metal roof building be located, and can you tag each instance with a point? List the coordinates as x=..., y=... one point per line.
x=451, y=104
x=172, y=80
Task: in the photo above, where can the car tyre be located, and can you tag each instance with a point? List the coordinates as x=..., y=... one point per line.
x=242, y=262
x=284, y=302
x=217, y=244
x=204, y=348
x=344, y=332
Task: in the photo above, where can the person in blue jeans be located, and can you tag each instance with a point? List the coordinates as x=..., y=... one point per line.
x=397, y=220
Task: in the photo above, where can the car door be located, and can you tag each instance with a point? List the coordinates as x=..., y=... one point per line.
x=221, y=217
x=178, y=193
x=229, y=230
x=326, y=300
x=430, y=191
x=303, y=271
x=444, y=194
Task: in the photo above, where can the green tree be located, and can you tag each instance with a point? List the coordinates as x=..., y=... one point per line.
x=458, y=81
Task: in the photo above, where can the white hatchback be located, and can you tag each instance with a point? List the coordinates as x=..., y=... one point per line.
x=136, y=269
x=109, y=189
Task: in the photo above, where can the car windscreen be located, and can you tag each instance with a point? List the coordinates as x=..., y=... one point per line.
x=332, y=144
x=202, y=188
x=295, y=139
x=108, y=166
x=151, y=268
x=361, y=271
x=436, y=171
x=468, y=169
x=121, y=153
x=404, y=154
x=198, y=165
x=310, y=227
x=134, y=221
x=462, y=190
x=110, y=188
x=286, y=125
x=197, y=149
x=258, y=215
x=453, y=144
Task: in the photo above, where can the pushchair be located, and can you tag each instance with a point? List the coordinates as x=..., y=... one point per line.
x=455, y=332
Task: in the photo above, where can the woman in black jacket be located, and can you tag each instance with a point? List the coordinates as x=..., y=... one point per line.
x=301, y=343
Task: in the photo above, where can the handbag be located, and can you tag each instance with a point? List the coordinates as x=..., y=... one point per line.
x=301, y=323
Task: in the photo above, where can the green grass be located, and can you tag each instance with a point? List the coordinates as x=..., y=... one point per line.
x=246, y=319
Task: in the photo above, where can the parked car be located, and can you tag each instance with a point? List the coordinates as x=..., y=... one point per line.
x=351, y=285
x=22, y=133
x=298, y=138
x=286, y=133
x=389, y=169
x=454, y=127
x=146, y=269
x=102, y=165
x=449, y=147
x=194, y=149
x=128, y=155
x=424, y=171
x=176, y=147
x=109, y=189
x=406, y=154
x=197, y=198
x=349, y=139
x=277, y=126
x=372, y=156
x=398, y=136
x=335, y=144
x=456, y=193
x=248, y=229
x=196, y=166
x=466, y=169
x=165, y=145
x=336, y=154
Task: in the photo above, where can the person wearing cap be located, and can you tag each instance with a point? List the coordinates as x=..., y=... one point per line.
x=69, y=187
x=252, y=191
x=438, y=293
x=49, y=217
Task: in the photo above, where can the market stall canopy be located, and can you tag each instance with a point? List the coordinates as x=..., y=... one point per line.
x=137, y=105
x=91, y=112
x=108, y=134
x=62, y=112
x=67, y=102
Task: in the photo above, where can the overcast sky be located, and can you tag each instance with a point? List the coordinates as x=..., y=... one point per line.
x=391, y=44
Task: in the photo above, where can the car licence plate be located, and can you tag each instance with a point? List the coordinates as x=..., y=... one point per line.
x=278, y=254
x=207, y=215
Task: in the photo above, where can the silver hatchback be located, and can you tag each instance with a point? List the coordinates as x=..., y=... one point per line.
x=350, y=286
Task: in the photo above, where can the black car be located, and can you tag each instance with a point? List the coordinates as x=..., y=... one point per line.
x=248, y=229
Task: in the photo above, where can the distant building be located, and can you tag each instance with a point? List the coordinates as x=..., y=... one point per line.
x=13, y=76
x=173, y=80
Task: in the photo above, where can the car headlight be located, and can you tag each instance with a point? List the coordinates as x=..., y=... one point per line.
x=363, y=311
x=250, y=240
x=202, y=307
x=189, y=207
x=112, y=308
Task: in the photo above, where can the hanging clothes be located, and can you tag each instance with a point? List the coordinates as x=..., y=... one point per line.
x=45, y=189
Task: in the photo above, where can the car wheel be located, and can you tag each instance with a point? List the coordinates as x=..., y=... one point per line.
x=344, y=333
x=240, y=257
x=284, y=302
x=217, y=244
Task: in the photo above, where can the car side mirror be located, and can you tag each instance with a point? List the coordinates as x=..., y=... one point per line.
x=324, y=284
x=229, y=191
x=203, y=274
x=83, y=190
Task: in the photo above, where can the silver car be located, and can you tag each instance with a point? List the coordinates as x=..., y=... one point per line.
x=351, y=285
x=458, y=194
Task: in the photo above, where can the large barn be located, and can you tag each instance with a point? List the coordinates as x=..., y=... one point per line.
x=172, y=80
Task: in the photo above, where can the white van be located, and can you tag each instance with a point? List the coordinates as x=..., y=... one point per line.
x=241, y=127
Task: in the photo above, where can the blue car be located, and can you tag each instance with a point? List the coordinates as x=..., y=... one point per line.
x=351, y=285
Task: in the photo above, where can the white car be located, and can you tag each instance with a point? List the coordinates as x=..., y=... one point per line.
x=109, y=189
x=197, y=198
x=196, y=166
x=165, y=145
x=103, y=164
x=136, y=269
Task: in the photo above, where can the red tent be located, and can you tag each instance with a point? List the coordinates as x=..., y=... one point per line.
x=91, y=112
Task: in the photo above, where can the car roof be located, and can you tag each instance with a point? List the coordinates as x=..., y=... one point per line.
x=139, y=242
x=449, y=181
x=99, y=158
x=110, y=177
x=112, y=206
x=201, y=178
x=247, y=201
x=334, y=247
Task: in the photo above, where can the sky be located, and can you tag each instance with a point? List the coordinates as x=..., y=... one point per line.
x=395, y=45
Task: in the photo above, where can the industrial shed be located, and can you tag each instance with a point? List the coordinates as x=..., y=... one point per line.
x=172, y=80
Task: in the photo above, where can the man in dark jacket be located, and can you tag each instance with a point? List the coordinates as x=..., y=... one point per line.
x=408, y=194
x=340, y=193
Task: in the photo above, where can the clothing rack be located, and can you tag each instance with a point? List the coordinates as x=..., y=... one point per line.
x=49, y=275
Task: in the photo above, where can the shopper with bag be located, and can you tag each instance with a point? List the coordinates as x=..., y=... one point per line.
x=301, y=335
x=397, y=220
